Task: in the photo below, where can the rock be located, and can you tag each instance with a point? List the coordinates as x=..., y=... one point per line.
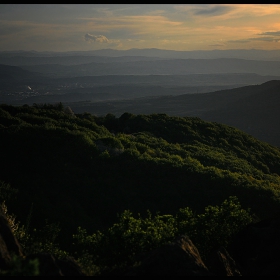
x=222, y=264
x=48, y=264
x=9, y=245
x=179, y=258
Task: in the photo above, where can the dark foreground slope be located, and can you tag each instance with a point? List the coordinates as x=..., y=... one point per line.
x=82, y=169
x=253, y=251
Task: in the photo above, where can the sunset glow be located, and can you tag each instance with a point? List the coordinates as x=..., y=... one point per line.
x=81, y=27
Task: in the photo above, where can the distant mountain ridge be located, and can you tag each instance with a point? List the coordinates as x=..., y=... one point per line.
x=255, y=54
x=159, y=67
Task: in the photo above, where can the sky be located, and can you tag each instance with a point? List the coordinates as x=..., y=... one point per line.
x=182, y=27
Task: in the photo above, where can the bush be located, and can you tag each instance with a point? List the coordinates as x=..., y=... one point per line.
x=129, y=238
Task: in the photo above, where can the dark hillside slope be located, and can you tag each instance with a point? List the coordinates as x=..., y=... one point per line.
x=81, y=170
x=257, y=114
x=180, y=105
x=9, y=74
x=253, y=109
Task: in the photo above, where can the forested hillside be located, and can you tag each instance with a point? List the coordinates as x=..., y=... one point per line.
x=80, y=170
x=254, y=109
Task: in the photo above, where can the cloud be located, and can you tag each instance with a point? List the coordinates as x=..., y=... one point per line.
x=264, y=39
x=275, y=33
x=226, y=12
x=101, y=39
x=135, y=40
x=142, y=23
x=217, y=45
x=213, y=10
x=239, y=41
x=97, y=38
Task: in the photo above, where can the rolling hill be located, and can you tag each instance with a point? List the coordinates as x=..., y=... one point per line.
x=253, y=109
x=82, y=169
x=66, y=175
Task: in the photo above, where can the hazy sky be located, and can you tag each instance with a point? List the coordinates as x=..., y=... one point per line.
x=78, y=27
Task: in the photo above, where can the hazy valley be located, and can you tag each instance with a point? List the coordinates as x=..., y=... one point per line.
x=219, y=86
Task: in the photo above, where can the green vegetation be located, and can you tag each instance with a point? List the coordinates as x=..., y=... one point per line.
x=86, y=177
x=130, y=237
x=121, y=245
